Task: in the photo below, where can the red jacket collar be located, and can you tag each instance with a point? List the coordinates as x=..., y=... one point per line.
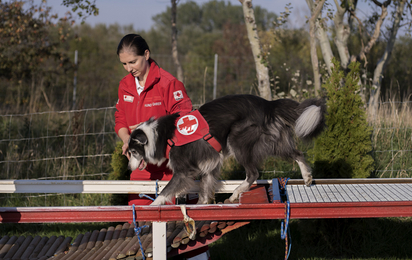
x=152, y=78
x=154, y=74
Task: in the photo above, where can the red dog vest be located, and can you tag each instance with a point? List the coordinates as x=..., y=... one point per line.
x=190, y=128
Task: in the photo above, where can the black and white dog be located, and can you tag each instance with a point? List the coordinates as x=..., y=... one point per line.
x=248, y=127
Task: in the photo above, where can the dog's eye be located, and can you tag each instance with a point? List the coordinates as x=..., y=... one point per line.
x=133, y=152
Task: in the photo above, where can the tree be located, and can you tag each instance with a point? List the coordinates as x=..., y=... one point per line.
x=342, y=31
x=342, y=151
x=315, y=8
x=27, y=42
x=175, y=53
x=80, y=6
x=213, y=27
x=377, y=75
x=99, y=69
x=262, y=71
x=290, y=62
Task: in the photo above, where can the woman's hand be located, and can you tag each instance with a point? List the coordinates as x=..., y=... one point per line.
x=125, y=148
x=133, y=127
x=124, y=135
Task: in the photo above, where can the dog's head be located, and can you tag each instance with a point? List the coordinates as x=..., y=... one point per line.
x=137, y=142
x=142, y=145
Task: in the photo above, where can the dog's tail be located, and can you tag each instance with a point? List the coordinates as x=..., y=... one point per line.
x=311, y=120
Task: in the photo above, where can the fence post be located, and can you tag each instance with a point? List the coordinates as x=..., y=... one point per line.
x=75, y=79
x=215, y=78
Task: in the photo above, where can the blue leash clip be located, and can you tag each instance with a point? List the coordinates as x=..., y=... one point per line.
x=141, y=195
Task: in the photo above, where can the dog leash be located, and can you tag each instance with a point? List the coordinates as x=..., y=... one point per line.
x=284, y=226
x=141, y=195
x=190, y=226
x=137, y=230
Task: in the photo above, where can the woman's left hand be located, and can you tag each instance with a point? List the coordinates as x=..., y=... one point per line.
x=133, y=127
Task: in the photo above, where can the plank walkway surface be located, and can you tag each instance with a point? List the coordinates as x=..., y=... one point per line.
x=350, y=193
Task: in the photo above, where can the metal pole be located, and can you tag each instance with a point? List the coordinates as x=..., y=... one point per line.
x=75, y=79
x=215, y=78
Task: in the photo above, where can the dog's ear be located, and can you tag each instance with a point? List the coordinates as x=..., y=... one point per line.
x=140, y=139
x=138, y=136
x=151, y=120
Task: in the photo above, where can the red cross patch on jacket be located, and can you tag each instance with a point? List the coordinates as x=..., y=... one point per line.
x=189, y=128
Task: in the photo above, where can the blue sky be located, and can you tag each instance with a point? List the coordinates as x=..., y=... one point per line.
x=140, y=12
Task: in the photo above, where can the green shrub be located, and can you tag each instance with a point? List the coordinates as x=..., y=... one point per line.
x=119, y=172
x=342, y=151
x=119, y=164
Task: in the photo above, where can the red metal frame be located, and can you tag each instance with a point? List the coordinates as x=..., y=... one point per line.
x=254, y=205
x=206, y=212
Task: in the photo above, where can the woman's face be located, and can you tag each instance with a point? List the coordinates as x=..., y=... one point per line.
x=138, y=66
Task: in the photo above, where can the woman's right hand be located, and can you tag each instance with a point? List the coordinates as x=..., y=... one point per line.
x=125, y=148
x=124, y=135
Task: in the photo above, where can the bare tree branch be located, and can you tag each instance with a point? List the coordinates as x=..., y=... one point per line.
x=360, y=33
x=377, y=3
x=365, y=50
x=359, y=22
x=317, y=8
x=175, y=54
x=262, y=71
x=342, y=35
x=323, y=38
x=377, y=74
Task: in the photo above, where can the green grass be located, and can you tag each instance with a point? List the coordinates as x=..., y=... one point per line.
x=50, y=200
x=388, y=238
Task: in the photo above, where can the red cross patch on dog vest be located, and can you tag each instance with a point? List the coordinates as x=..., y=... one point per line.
x=190, y=128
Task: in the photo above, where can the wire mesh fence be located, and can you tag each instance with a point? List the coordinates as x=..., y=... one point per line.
x=57, y=145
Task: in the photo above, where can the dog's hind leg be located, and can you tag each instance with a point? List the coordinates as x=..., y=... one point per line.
x=251, y=176
x=304, y=169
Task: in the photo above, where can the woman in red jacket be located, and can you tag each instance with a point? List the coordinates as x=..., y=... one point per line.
x=147, y=91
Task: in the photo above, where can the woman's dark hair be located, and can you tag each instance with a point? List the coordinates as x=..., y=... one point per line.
x=133, y=43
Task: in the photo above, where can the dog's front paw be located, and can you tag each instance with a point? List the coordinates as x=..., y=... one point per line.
x=234, y=198
x=206, y=201
x=308, y=180
x=160, y=200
